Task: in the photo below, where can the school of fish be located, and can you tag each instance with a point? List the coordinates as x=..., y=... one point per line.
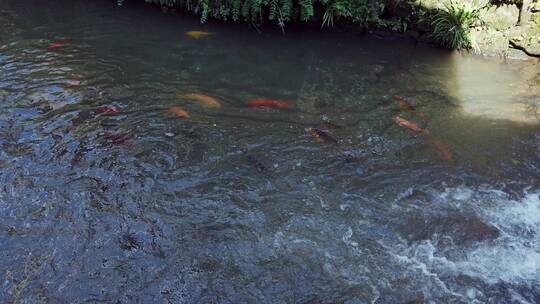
x=209, y=102
x=443, y=149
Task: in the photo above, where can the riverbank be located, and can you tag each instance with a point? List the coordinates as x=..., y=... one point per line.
x=507, y=29
x=503, y=31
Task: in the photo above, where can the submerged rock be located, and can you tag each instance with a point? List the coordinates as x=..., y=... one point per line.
x=462, y=230
x=257, y=163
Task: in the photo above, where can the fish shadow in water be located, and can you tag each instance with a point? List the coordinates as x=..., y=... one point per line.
x=257, y=164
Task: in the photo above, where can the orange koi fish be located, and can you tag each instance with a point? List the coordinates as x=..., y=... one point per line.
x=199, y=34
x=268, y=103
x=402, y=122
x=322, y=136
x=205, y=100
x=443, y=150
x=108, y=110
x=179, y=112
x=405, y=105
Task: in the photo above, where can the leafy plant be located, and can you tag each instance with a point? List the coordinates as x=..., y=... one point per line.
x=362, y=12
x=451, y=27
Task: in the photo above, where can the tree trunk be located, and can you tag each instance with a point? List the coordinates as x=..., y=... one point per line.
x=525, y=12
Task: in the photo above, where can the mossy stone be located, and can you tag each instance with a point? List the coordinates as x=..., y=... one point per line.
x=501, y=17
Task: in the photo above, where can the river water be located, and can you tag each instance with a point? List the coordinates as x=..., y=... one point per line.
x=108, y=197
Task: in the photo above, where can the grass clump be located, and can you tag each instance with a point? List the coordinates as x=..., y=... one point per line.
x=452, y=26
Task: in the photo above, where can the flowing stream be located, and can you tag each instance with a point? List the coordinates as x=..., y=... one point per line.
x=108, y=196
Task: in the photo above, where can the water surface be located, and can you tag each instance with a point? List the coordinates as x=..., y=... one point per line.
x=242, y=205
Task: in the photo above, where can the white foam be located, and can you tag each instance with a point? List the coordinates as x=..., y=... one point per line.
x=525, y=212
x=509, y=264
x=514, y=257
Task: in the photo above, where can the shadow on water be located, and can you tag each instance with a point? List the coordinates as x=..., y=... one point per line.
x=109, y=194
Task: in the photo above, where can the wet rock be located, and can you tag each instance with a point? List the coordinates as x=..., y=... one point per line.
x=462, y=230
x=500, y=17
x=526, y=39
x=490, y=42
x=129, y=242
x=432, y=4
x=516, y=54
x=466, y=280
x=474, y=229
x=535, y=18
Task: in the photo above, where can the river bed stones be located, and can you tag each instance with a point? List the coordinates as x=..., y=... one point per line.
x=464, y=231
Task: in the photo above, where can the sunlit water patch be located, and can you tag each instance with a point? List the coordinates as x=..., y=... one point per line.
x=510, y=92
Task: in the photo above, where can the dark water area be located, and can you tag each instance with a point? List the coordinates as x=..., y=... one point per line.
x=106, y=196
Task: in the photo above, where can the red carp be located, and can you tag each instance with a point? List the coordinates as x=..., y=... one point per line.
x=443, y=150
x=58, y=44
x=108, y=110
x=268, y=103
x=402, y=122
x=322, y=136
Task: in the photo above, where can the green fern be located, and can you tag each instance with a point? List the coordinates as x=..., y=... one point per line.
x=236, y=5
x=273, y=10
x=306, y=9
x=363, y=12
